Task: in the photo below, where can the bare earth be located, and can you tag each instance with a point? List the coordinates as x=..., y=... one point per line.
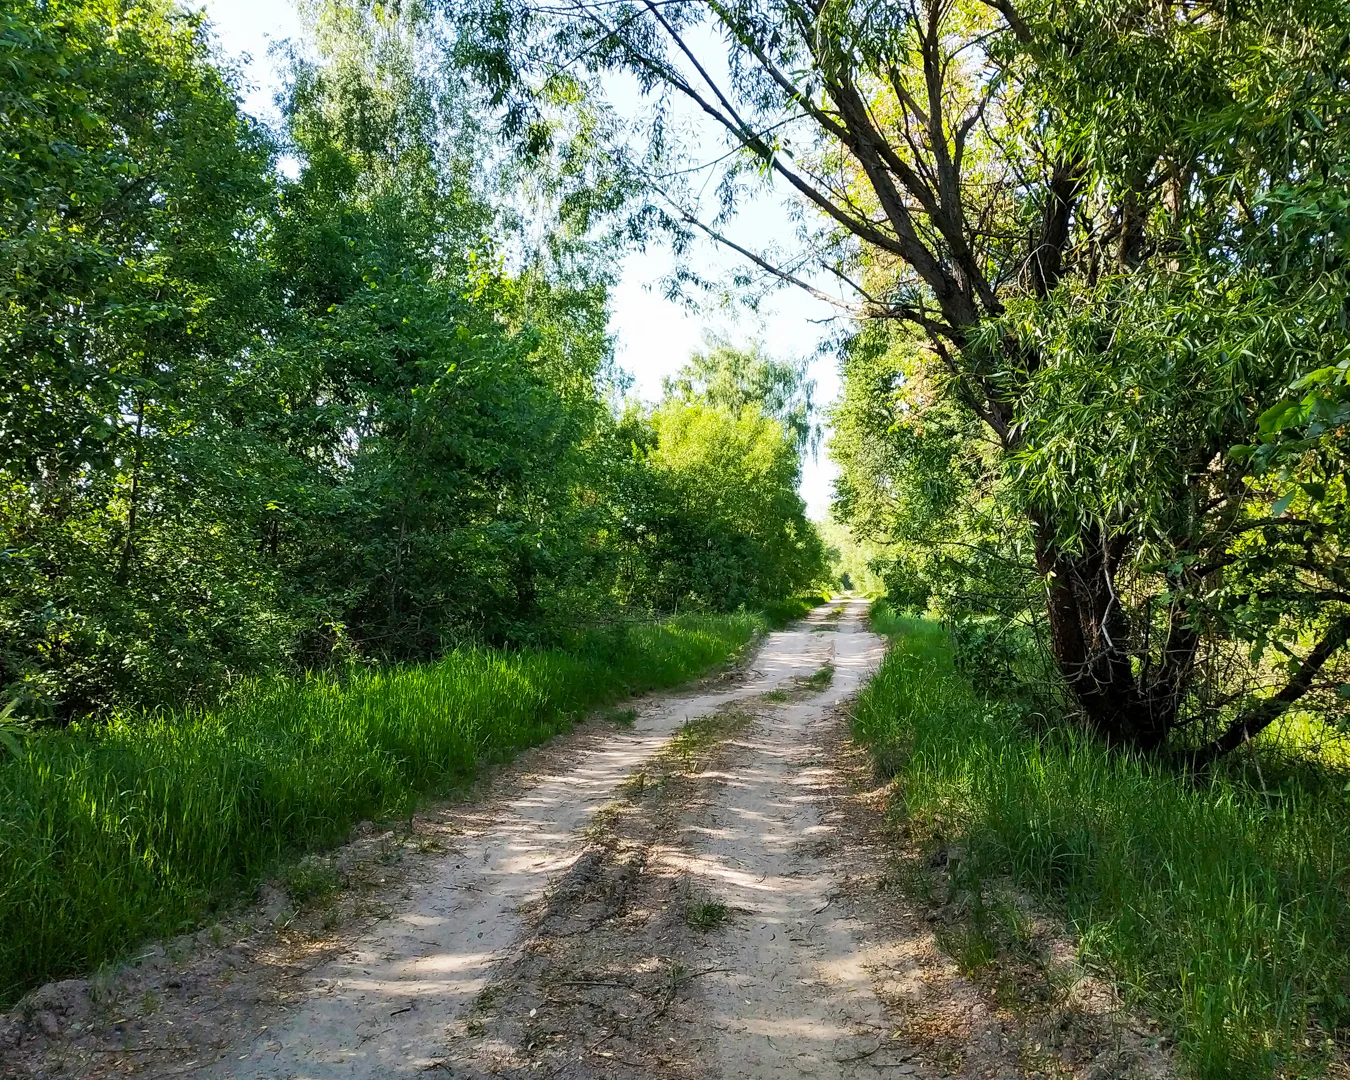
x=705, y=901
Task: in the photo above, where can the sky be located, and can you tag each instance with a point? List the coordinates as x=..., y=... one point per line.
x=654, y=336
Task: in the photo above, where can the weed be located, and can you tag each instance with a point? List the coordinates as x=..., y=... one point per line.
x=387, y=851
x=809, y=684
x=310, y=881
x=820, y=679
x=703, y=732
x=706, y=915
x=970, y=946
x=621, y=718
x=636, y=785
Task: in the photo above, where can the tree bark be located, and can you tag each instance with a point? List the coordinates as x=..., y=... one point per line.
x=1090, y=639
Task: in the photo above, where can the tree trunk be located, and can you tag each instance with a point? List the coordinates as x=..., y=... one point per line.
x=1090, y=639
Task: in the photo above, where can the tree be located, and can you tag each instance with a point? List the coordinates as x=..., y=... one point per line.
x=130, y=193
x=255, y=421
x=733, y=378
x=711, y=515
x=1046, y=190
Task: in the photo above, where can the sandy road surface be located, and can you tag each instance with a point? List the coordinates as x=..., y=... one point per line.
x=795, y=998
x=381, y=1011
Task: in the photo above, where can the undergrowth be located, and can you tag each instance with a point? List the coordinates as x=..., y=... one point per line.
x=794, y=607
x=141, y=827
x=1221, y=907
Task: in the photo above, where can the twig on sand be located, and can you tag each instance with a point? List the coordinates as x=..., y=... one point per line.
x=599, y=982
x=868, y=1053
x=697, y=974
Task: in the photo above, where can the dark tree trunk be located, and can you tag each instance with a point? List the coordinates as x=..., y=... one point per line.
x=1091, y=640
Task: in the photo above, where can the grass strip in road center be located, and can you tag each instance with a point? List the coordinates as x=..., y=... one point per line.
x=115, y=833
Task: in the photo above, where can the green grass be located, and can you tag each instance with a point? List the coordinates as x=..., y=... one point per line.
x=1221, y=908
x=820, y=679
x=144, y=826
x=783, y=612
x=706, y=915
x=621, y=718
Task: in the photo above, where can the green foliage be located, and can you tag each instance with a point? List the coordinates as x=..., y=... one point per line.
x=1097, y=242
x=142, y=826
x=793, y=608
x=711, y=516
x=855, y=564
x=1219, y=906
x=130, y=193
x=732, y=379
x=1098, y=452
x=260, y=420
x=730, y=527
x=920, y=485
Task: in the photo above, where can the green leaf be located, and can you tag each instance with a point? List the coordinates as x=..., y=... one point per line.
x=1286, y=414
x=10, y=743
x=1282, y=503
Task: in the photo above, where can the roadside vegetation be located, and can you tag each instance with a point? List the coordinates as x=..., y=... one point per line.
x=143, y=825
x=333, y=399
x=1221, y=904
x=277, y=400
x=319, y=485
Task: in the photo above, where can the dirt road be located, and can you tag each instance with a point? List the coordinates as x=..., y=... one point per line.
x=381, y=1011
x=699, y=895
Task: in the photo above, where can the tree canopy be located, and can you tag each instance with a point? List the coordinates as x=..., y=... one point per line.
x=280, y=399
x=1105, y=244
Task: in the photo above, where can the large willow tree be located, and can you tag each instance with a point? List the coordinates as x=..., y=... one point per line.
x=1118, y=228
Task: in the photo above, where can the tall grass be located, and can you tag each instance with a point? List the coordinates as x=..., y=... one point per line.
x=113, y=834
x=1221, y=907
x=782, y=612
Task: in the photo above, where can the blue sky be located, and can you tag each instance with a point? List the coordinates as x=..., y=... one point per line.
x=654, y=336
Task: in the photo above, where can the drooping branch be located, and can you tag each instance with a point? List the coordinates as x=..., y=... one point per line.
x=1265, y=712
x=783, y=275
x=751, y=140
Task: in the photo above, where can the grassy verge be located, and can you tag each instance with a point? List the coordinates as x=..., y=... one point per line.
x=141, y=827
x=1224, y=909
x=794, y=607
